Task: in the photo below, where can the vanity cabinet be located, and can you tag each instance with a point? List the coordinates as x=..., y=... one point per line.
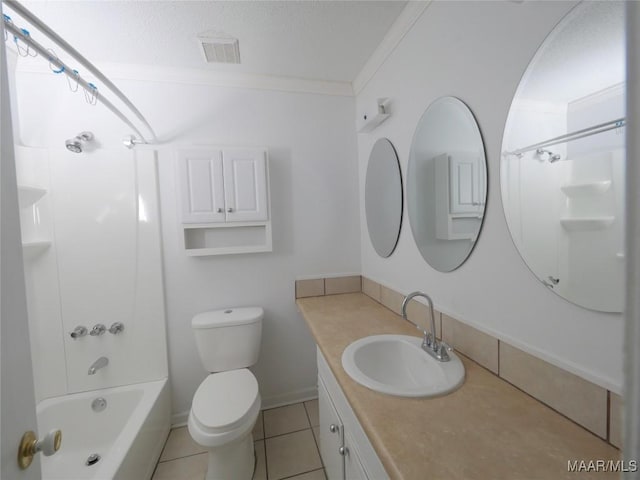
x=224, y=200
x=345, y=449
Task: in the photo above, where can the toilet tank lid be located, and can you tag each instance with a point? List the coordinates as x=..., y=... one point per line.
x=227, y=317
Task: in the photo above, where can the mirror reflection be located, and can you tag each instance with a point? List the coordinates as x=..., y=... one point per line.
x=562, y=167
x=383, y=198
x=446, y=184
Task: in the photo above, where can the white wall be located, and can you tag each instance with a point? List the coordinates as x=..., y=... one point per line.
x=314, y=205
x=477, y=51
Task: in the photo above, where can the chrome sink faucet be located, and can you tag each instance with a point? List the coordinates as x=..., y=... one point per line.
x=98, y=364
x=430, y=344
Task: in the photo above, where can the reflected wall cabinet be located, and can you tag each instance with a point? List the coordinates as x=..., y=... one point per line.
x=224, y=200
x=460, y=193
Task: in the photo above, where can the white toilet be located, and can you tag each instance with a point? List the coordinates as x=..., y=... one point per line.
x=227, y=403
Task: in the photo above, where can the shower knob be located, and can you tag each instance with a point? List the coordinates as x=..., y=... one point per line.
x=116, y=328
x=98, y=330
x=78, y=332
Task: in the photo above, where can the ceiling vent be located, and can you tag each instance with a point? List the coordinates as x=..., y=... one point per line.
x=220, y=50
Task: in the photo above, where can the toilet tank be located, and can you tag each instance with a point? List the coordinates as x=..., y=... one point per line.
x=228, y=339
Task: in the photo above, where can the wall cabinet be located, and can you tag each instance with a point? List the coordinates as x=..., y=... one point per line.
x=345, y=449
x=224, y=200
x=460, y=192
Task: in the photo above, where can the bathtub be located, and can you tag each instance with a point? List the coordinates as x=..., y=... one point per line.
x=128, y=433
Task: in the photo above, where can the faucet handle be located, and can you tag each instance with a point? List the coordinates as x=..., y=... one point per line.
x=78, y=332
x=116, y=328
x=98, y=329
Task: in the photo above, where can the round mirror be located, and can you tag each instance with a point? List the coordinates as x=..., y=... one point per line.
x=563, y=154
x=383, y=197
x=446, y=184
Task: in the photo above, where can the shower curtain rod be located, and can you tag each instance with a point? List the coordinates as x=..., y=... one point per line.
x=568, y=137
x=44, y=28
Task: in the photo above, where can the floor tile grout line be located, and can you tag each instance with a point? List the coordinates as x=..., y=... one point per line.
x=179, y=458
x=308, y=415
x=288, y=433
x=264, y=453
x=288, y=405
x=318, y=446
x=293, y=431
x=264, y=441
x=301, y=473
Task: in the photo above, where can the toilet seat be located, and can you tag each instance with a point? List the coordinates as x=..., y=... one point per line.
x=225, y=407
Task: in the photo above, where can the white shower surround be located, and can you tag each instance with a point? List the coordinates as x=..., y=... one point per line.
x=104, y=265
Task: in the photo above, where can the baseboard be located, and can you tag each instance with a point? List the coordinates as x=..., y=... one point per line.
x=179, y=419
x=289, y=398
x=311, y=393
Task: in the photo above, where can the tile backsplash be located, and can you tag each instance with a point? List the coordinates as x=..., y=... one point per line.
x=586, y=403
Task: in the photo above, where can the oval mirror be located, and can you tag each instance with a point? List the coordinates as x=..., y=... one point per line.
x=383, y=197
x=563, y=154
x=446, y=184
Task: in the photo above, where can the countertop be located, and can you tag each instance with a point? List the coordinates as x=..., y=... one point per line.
x=487, y=429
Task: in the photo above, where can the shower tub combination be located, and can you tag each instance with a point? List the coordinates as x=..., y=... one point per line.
x=113, y=433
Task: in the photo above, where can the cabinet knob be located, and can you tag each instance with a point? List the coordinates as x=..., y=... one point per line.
x=344, y=451
x=220, y=210
x=229, y=209
x=333, y=428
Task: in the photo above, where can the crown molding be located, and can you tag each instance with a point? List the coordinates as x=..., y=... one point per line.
x=195, y=76
x=394, y=36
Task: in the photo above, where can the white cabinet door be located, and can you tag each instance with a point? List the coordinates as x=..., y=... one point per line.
x=245, y=185
x=201, y=186
x=331, y=432
x=464, y=181
x=353, y=469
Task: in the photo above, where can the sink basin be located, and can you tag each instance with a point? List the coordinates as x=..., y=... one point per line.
x=397, y=365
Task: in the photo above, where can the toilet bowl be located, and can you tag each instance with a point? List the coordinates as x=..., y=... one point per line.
x=227, y=403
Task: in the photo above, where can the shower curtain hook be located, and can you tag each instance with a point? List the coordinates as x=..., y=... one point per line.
x=7, y=19
x=52, y=57
x=71, y=87
x=27, y=51
x=91, y=96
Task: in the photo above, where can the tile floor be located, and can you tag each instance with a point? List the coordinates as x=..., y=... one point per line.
x=286, y=441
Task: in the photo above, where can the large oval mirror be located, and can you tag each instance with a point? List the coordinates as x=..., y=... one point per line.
x=383, y=197
x=446, y=184
x=563, y=154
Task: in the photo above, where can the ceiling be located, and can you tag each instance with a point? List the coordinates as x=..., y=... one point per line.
x=319, y=40
x=584, y=54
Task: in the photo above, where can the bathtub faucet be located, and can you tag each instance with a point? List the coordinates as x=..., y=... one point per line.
x=98, y=364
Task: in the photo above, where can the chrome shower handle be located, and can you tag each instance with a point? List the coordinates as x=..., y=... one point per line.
x=116, y=328
x=97, y=330
x=78, y=332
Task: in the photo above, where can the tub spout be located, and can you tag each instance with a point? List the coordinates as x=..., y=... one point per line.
x=98, y=364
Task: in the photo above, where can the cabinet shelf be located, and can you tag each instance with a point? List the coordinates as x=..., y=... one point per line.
x=33, y=249
x=585, y=189
x=29, y=194
x=582, y=224
x=227, y=238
